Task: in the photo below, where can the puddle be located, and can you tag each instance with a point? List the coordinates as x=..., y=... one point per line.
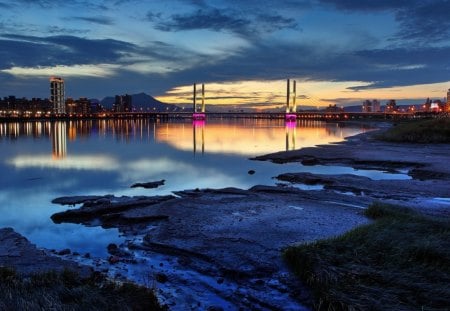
x=338, y=170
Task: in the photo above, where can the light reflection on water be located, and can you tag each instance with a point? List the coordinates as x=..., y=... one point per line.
x=44, y=160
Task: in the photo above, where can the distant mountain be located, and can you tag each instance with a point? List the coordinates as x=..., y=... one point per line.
x=107, y=102
x=142, y=100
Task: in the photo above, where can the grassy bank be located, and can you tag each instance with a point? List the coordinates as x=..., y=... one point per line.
x=419, y=131
x=401, y=261
x=66, y=291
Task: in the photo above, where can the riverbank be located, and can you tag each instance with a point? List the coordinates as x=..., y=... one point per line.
x=35, y=279
x=398, y=262
x=222, y=248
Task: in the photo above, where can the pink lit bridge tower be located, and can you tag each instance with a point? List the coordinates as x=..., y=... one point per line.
x=199, y=114
x=291, y=105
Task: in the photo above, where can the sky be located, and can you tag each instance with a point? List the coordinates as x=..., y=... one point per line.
x=339, y=51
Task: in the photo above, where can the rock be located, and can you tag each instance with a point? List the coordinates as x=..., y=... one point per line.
x=78, y=199
x=63, y=252
x=310, y=161
x=149, y=185
x=214, y=308
x=113, y=259
x=106, y=209
x=112, y=248
x=87, y=255
x=18, y=253
x=161, y=278
x=220, y=280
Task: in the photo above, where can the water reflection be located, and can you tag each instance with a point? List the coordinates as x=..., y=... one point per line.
x=291, y=134
x=242, y=136
x=59, y=140
x=198, y=130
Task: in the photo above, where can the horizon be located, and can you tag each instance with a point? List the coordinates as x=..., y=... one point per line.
x=339, y=52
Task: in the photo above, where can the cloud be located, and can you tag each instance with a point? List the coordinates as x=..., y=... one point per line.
x=96, y=20
x=33, y=51
x=97, y=70
x=63, y=30
x=4, y=5
x=426, y=22
x=238, y=22
x=368, y=5
x=212, y=19
x=423, y=21
x=319, y=62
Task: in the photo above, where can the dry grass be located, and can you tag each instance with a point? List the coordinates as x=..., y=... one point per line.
x=399, y=262
x=67, y=291
x=422, y=131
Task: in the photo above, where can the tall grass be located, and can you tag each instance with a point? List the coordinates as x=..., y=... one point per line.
x=401, y=261
x=67, y=291
x=421, y=131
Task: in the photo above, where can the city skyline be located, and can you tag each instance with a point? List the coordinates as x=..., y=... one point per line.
x=340, y=52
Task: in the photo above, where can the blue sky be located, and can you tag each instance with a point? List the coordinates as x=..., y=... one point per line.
x=339, y=51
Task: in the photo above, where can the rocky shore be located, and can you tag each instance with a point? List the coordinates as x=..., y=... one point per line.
x=214, y=249
x=17, y=252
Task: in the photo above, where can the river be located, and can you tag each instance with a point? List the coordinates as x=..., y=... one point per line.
x=44, y=160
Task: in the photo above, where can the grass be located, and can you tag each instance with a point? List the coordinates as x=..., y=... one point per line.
x=67, y=291
x=419, y=131
x=401, y=261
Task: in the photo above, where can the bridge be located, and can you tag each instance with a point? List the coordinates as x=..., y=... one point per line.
x=164, y=116
x=303, y=115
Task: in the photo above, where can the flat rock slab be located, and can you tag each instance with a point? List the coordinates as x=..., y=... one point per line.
x=149, y=185
x=364, y=151
x=108, y=207
x=403, y=192
x=236, y=237
x=18, y=253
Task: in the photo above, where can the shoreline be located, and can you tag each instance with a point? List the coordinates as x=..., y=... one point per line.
x=222, y=248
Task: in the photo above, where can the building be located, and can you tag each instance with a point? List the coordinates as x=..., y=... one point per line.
x=123, y=103
x=448, y=100
x=79, y=106
x=57, y=95
x=371, y=106
x=391, y=106
x=333, y=108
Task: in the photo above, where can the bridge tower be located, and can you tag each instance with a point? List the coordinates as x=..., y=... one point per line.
x=291, y=105
x=199, y=114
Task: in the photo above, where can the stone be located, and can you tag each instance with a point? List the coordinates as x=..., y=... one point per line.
x=149, y=185
x=161, y=277
x=113, y=259
x=63, y=252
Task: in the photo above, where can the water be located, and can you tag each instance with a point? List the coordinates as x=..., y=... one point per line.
x=43, y=160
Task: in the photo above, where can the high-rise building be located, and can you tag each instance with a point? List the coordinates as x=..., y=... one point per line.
x=391, y=106
x=371, y=106
x=123, y=103
x=448, y=100
x=57, y=95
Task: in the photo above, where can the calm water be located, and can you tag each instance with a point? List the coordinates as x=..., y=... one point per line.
x=44, y=160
